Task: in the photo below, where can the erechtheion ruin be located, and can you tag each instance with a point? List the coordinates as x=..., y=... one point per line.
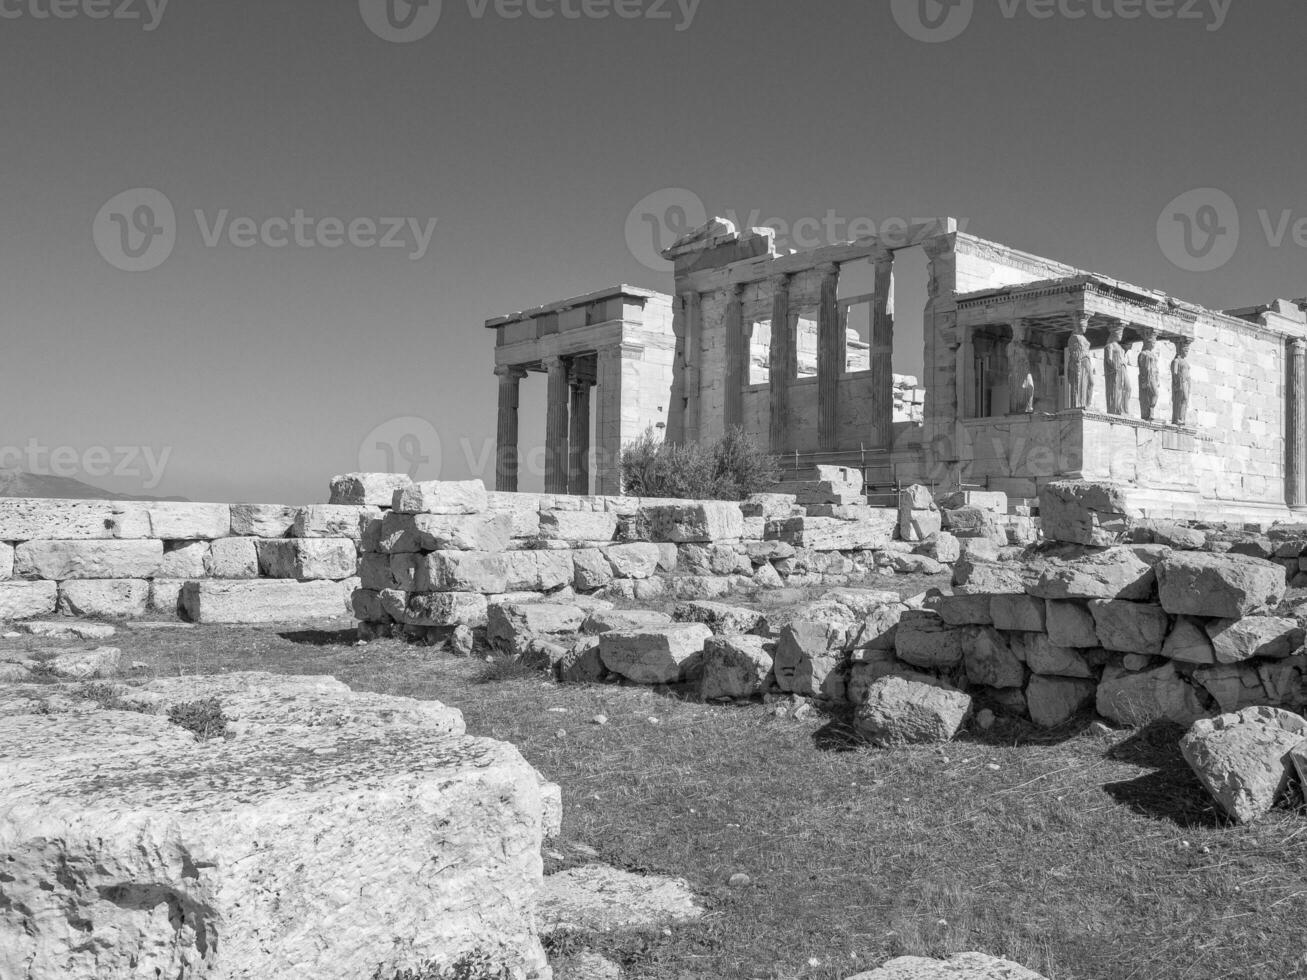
x=1034, y=371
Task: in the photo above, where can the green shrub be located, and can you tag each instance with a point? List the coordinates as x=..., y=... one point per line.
x=204, y=718
x=730, y=469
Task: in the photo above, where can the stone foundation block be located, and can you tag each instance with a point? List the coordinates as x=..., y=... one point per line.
x=88, y=559
x=1053, y=701
x=658, y=655
x=1071, y=624
x=638, y=560
x=6, y=561
x=578, y=526
x=898, y=711
x=178, y=521
x=435, y=608
x=1223, y=586
x=1138, y=698
x=1019, y=612
x=735, y=667
x=104, y=598
x=688, y=523
x=460, y=571
x=183, y=559
x=263, y=601
x=27, y=600
x=40, y=519
x=332, y=521
x=1130, y=627
x=233, y=558
x=368, y=489
x=437, y=497
x=262, y=520
x=1085, y=512
x=308, y=559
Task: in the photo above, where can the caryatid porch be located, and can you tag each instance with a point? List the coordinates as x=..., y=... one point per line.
x=1104, y=376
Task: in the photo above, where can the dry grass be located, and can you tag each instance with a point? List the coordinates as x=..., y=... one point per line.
x=1083, y=857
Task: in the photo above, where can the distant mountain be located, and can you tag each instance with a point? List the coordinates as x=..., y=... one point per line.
x=16, y=483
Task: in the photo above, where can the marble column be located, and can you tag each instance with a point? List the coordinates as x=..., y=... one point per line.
x=1296, y=443
x=737, y=358
x=578, y=444
x=784, y=364
x=556, y=424
x=882, y=355
x=831, y=344
x=506, y=451
x=608, y=419
x=694, y=365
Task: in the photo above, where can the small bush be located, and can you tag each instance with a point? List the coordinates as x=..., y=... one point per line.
x=204, y=718
x=730, y=469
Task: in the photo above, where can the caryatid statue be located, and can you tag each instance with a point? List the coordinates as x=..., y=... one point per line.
x=1150, y=376
x=1116, y=375
x=1180, y=383
x=1080, y=364
x=1021, y=382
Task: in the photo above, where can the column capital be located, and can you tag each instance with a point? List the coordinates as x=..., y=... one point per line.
x=513, y=372
x=782, y=280
x=1081, y=319
x=829, y=268
x=552, y=362
x=1299, y=344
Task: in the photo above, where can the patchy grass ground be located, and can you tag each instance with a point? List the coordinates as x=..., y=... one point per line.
x=1083, y=857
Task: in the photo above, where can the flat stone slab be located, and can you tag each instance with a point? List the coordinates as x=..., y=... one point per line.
x=596, y=898
x=964, y=966
x=263, y=601
x=67, y=629
x=331, y=835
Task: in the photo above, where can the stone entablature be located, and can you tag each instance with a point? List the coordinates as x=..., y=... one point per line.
x=617, y=340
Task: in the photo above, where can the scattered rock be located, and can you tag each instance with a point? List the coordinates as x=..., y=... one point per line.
x=964, y=966
x=67, y=629
x=463, y=641
x=735, y=667
x=597, y=898
x=655, y=655
x=1219, y=586
x=898, y=711
x=1244, y=759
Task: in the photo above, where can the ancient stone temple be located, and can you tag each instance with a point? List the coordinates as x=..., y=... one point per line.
x=1034, y=371
x=612, y=349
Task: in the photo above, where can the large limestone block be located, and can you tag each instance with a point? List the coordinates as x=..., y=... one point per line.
x=442, y=497
x=263, y=601
x=899, y=711
x=332, y=521
x=990, y=660
x=262, y=520
x=638, y=560
x=184, y=521
x=1019, y=612
x=603, y=620
x=183, y=559
x=735, y=667
x=578, y=525
x=33, y=519
x=307, y=559
x=923, y=639
x=104, y=598
x=965, y=610
x=879, y=628
x=964, y=966
x=1118, y=573
x=657, y=655
x=942, y=546
x=989, y=578
x=1219, y=586
x=1235, y=640
x=918, y=525
x=1234, y=686
x=232, y=558
x=166, y=596
x=522, y=510
x=88, y=559
x=768, y=506
x=1130, y=627
x=687, y=523
x=1085, y=512
x=721, y=618
x=512, y=625
x=411, y=533
x=1071, y=624
x=368, y=489
x=591, y=570
x=809, y=658
x=1138, y=698
x=970, y=523
x=302, y=846
x=1189, y=643
x=539, y=571
x=435, y=608
x=1245, y=759
x=829, y=534
x=461, y=571
x=1042, y=656
x=6, y=561
x=1053, y=701
x=995, y=501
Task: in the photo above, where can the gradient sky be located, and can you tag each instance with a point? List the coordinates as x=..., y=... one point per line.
x=261, y=372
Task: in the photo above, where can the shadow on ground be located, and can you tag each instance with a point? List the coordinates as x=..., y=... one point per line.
x=1170, y=791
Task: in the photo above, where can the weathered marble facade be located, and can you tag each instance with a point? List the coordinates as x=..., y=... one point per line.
x=1034, y=371
x=613, y=348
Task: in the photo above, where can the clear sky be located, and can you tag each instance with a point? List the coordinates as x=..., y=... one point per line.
x=255, y=373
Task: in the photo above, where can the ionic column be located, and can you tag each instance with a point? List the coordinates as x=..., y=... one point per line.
x=578, y=465
x=1296, y=443
x=831, y=344
x=784, y=364
x=882, y=356
x=506, y=456
x=694, y=360
x=556, y=419
x=737, y=358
